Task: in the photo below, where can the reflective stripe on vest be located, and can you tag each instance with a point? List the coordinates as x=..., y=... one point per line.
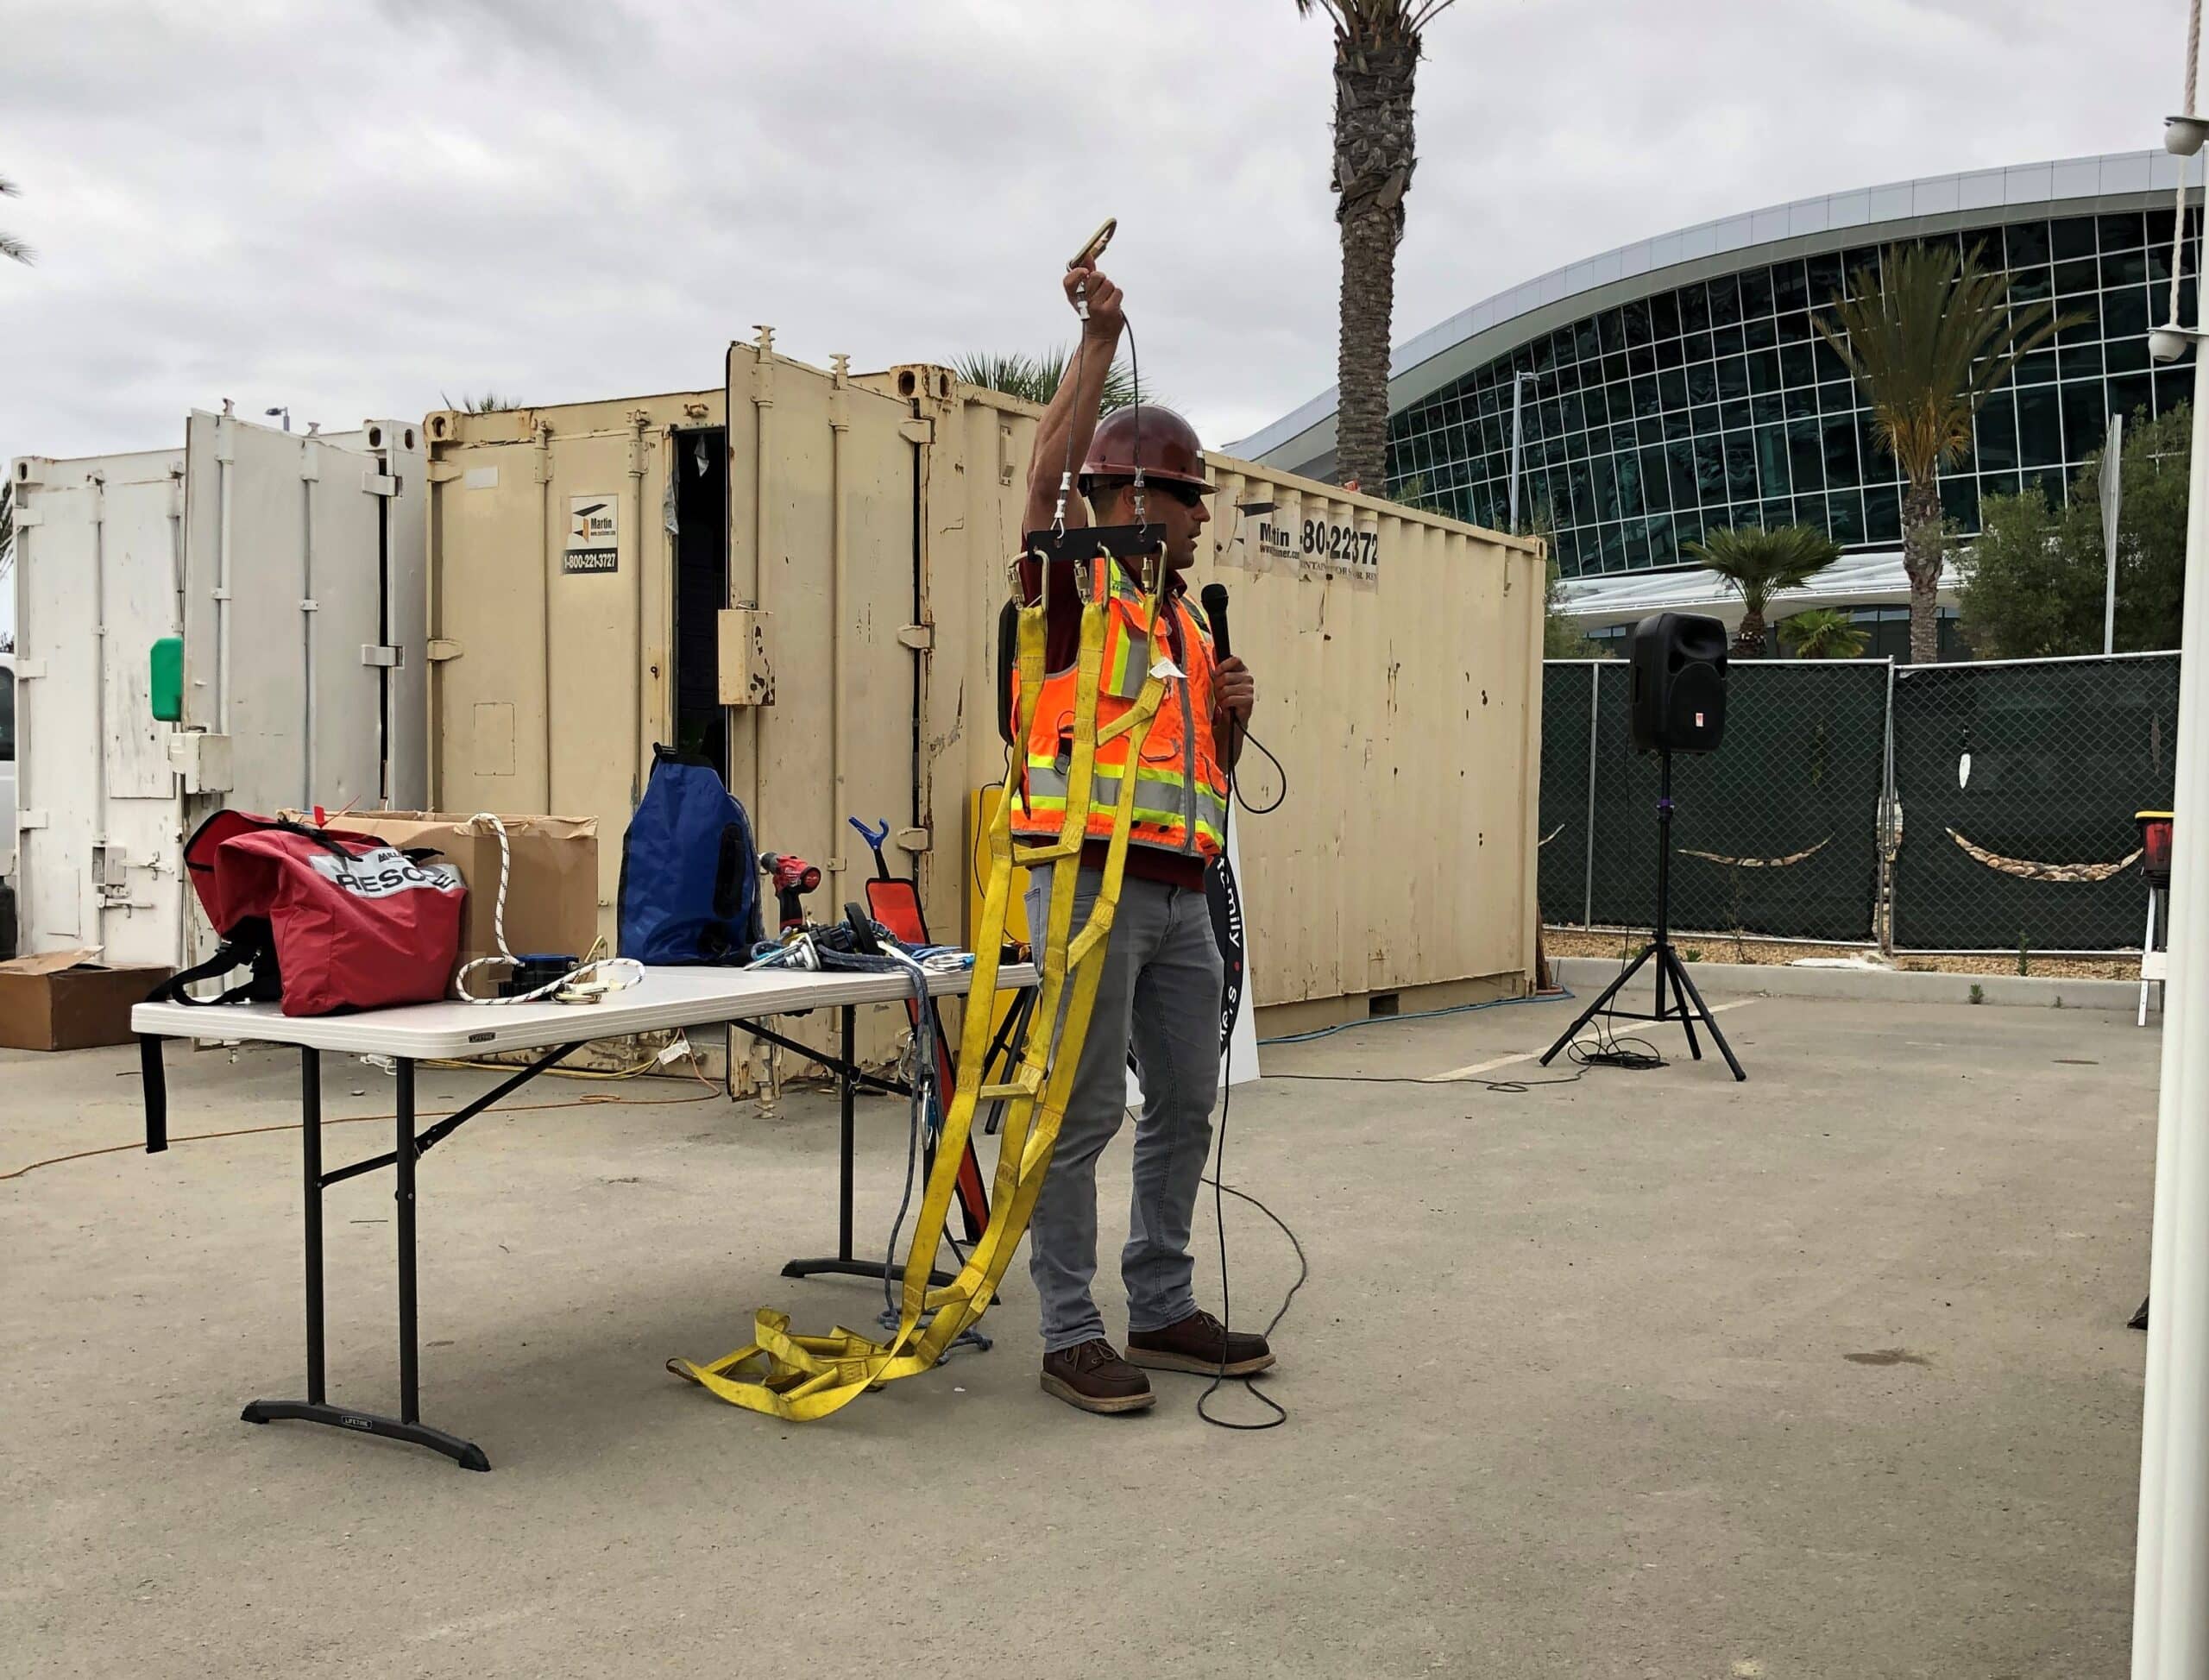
x=1180, y=793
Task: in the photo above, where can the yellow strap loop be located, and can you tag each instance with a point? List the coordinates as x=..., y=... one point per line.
x=799, y=1378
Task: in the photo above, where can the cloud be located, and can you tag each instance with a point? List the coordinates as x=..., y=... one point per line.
x=350, y=210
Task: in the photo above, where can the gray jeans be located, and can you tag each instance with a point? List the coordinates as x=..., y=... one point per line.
x=1159, y=995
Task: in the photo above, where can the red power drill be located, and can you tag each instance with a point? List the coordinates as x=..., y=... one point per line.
x=792, y=876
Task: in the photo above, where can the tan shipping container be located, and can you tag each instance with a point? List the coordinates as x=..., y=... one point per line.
x=804, y=578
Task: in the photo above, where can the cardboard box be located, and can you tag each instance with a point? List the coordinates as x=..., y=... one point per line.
x=61, y=1001
x=551, y=889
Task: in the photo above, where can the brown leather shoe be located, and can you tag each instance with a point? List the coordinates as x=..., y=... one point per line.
x=1094, y=1377
x=1197, y=1344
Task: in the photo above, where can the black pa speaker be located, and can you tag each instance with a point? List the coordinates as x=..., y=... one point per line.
x=1676, y=700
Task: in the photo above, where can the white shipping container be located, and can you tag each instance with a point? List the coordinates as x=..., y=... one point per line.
x=292, y=566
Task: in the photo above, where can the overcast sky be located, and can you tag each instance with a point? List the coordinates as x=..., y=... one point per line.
x=353, y=208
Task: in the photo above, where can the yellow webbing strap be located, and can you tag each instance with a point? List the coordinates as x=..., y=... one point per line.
x=798, y=1378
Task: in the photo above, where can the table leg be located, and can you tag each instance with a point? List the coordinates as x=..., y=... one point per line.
x=407, y=1426
x=845, y=1263
x=310, y=1154
x=847, y=1095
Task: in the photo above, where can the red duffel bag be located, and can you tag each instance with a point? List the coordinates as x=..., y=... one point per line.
x=327, y=919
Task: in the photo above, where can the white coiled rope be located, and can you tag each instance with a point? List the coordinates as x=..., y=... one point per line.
x=597, y=975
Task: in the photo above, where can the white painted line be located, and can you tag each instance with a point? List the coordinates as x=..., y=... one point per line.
x=1493, y=1062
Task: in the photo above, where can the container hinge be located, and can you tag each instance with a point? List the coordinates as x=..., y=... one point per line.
x=390, y=658
x=310, y=606
x=380, y=484
x=35, y=819
x=443, y=472
x=917, y=432
x=310, y=466
x=26, y=516
x=443, y=648
x=919, y=637
x=914, y=839
x=746, y=676
x=30, y=669
x=218, y=594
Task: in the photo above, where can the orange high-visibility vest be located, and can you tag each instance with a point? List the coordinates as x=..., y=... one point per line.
x=1181, y=801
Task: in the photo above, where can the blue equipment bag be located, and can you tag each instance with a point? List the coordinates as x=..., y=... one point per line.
x=689, y=876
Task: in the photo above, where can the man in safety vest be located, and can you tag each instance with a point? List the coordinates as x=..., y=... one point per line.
x=1160, y=994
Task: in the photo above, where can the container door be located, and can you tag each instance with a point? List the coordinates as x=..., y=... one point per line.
x=97, y=580
x=290, y=649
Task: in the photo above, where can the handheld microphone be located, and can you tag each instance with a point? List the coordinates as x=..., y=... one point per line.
x=1214, y=596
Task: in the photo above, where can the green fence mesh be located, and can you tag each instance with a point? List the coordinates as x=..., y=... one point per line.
x=1567, y=702
x=2015, y=788
x=1777, y=833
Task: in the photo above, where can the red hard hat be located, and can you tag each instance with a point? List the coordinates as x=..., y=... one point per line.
x=1157, y=439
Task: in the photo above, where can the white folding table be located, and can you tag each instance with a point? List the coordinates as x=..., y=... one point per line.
x=666, y=999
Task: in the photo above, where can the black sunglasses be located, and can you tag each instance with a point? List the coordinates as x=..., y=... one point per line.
x=1189, y=495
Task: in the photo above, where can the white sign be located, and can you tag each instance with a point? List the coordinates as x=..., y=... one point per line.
x=594, y=530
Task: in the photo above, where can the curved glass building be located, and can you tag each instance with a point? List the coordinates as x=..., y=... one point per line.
x=1676, y=386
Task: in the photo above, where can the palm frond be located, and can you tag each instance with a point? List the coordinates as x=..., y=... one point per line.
x=1822, y=632
x=1928, y=338
x=1760, y=564
x=489, y=403
x=1377, y=19
x=1037, y=378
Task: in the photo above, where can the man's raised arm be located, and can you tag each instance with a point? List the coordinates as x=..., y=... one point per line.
x=1070, y=417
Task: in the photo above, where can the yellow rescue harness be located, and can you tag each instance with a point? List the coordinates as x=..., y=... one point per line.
x=798, y=1378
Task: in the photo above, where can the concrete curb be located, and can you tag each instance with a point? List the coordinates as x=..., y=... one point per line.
x=1588, y=975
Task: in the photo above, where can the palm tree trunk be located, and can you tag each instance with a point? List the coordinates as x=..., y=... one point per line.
x=1375, y=154
x=1748, y=640
x=1921, y=559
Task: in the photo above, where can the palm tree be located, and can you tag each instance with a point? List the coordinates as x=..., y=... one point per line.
x=1821, y=633
x=1759, y=564
x=10, y=245
x=1035, y=378
x=491, y=402
x=1377, y=45
x=1927, y=340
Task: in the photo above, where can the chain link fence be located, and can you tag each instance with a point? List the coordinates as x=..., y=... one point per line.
x=1944, y=807
x=2016, y=785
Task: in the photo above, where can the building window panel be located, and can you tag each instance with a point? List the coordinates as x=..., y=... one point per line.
x=2071, y=237
x=2026, y=244
x=2040, y=430
x=1710, y=472
x=1610, y=328
x=1771, y=462
x=1740, y=466
x=1840, y=450
x=1761, y=333
x=1765, y=408
x=1810, y=511
x=1791, y=286
x=1725, y=301
x=2080, y=361
x=1795, y=328
x=1703, y=382
x=1996, y=428
x=1799, y=365
x=2085, y=419
x=2072, y=278
x=2130, y=395
x=1668, y=354
x=1679, y=458
x=1727, y=341
x=1802, y=402
x=2125, y=268
x=1845, y=516
x=1960, y=501
x=1805, y=456
x=1655, y=487
x=1641, y=359
x=1695, y=308
x=1756, y=294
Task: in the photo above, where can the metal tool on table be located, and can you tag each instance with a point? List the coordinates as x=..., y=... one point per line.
x=793, y=878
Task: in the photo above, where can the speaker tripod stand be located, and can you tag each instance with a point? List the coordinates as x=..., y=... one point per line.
x=1686, y=1006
